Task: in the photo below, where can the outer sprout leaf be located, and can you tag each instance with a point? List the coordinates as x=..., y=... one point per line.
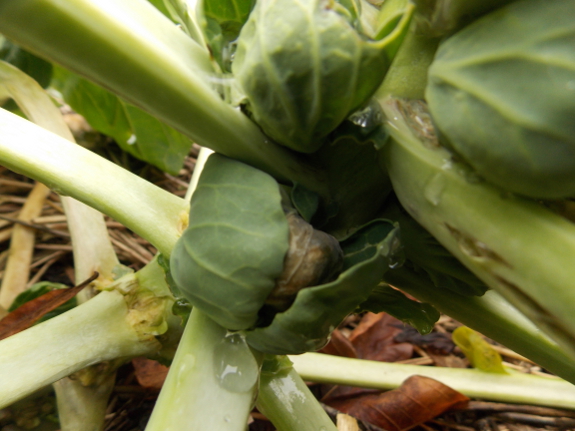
x=238, y=208
x=134, y=130
x=421, y=316
x=317, y=310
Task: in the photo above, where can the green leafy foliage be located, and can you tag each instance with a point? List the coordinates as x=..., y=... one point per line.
x=232, y=251
x=480, y=353
x=420, y=315
x=39, y=289
x=302, y=68
x=38, y=69
x=426, y=255
x=221, y=22
x=502, y=91
x=317, y=310
x=134, y=130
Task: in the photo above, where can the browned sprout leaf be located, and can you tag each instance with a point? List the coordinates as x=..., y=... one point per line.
x=374, y=339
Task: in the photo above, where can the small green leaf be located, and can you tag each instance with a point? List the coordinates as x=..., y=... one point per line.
x=134, y=130
x=480, y=353
x=305, y=201
x=221, y=22
x=420, y=315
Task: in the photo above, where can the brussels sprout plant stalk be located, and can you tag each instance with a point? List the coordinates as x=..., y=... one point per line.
x=174, y=74
x=513, y=387
x=491, y=315
x=69, y=169
x=475, y=222
x=80, y=406
x=282, y=393
x=88, y=334
x=212, y=381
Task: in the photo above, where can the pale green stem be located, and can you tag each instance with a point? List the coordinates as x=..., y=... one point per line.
x=285, y=399
x=514, y=387
x=133, y=50
x=69, y=169
x=80, y=407
x=516, y=246
x=211, y=384
x=93, y=332
x=494, y=317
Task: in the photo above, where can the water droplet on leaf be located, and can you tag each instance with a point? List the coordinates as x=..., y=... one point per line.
x=234, y=364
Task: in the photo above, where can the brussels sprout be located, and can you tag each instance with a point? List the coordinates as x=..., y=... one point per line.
x=241, y=251
x=502, y=91
x=302, y=68
x=228, y=258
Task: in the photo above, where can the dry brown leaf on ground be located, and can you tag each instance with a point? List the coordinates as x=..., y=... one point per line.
x=27, y=314
x=418, y=400
x=339, y=345
x=149, y=373
x=374, y=339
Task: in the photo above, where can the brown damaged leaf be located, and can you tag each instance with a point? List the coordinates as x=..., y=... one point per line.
x=149, y=373
x=418, y=400
x=339, y=345
x=374, y=339
x=27, y=314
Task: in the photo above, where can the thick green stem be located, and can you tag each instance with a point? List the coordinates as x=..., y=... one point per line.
x=69, y=169
x=514, y=387
x=133, y=50
x=286, y=400
x=516, y=246
x=212, y=381
x=494, y=317
x=93, y=332
x=81, y=408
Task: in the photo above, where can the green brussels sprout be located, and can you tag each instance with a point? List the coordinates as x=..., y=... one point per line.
x=248, y=264
x=502, y=93
x=302, y=67
x=228, y=258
